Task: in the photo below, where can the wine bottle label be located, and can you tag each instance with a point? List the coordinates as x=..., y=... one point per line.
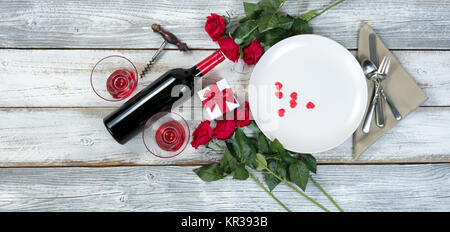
x=210, y=62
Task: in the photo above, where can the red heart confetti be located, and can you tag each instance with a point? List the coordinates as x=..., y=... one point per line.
x=279, y=94
x=293, y=103
x=278, y=85
x=310, y=105
x=281, y=112
x=294, y=95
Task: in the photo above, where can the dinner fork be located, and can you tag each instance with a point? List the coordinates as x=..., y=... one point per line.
x=383, y=74
x=379, y=115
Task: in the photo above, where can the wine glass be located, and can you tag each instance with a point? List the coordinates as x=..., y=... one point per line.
x=166, y=134
x=114, y=78
x=241, y=67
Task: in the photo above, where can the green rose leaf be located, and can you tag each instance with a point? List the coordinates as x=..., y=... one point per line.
x=275, y=146
x=228, y=162
x=261, y=162
x=271, y=181
x=299, y=174
x=270, y=6
x=230, y=148
x=278, y=150
x=240, y=173
x=252, y=10
x=285, y=22
x=243, y=147
x=273, y=36
x=262, y=145
x=300, y=26
x=278, y=168
x=310, y=162
x=267, y=21
x=252, y=126
x=210, y=172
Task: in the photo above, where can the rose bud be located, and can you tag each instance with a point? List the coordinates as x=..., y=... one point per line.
x=224, y=129
x=202, y=134
x=253, y=52
x=215, y=26
x=229, y=48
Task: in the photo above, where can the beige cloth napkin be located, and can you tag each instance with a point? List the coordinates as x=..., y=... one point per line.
x=399, y=86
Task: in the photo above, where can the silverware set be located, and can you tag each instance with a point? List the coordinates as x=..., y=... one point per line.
x=377, y=75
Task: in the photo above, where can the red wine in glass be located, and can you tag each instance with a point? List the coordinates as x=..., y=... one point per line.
x=121, y=83
x=170, y=136
x=113, y=85
x=166, y=134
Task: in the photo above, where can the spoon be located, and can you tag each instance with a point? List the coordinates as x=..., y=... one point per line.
x=370, y=71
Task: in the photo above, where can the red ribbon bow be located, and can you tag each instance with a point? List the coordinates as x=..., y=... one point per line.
x=216, y=97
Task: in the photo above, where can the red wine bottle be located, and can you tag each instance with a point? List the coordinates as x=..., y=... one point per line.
x=129, y=119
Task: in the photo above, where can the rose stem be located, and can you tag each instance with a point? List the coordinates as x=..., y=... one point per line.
x=259, y=183
x=326, y=194
x=238, y=20
x=218, y=145
x=208, y=146
x=279, y=8
x=294, y=188
x=329, y=7
x=269, y=192
x=285, y=182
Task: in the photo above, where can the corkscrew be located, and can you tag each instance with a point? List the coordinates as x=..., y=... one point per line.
x=168, y=38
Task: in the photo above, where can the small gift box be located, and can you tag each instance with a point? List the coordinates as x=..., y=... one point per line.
x=218, y=99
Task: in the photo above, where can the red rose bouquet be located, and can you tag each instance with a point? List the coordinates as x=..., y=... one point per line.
x=243, y=153
x=262, y=26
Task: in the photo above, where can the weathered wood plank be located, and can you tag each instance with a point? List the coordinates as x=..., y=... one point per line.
x=354, y=187
x=125, y=24
x=60, y=78
x=77, y=137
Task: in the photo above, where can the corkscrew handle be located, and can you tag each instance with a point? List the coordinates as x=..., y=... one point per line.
x=169, y=37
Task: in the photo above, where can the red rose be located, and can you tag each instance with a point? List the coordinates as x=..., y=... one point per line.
x=242, y=116
x=229, y=48
x=215, y=26
x=202, y=135
x=224, y=129
x=253, y=52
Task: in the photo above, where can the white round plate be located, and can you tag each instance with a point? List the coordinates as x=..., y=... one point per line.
x=320, y=71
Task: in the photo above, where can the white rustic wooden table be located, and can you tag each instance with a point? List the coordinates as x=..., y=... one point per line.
x=56, y=155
